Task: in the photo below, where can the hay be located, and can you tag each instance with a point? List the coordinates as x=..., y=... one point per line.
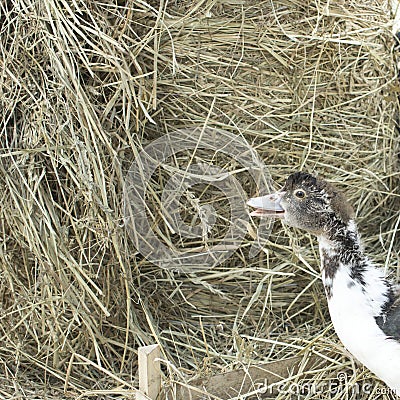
x=85, y=86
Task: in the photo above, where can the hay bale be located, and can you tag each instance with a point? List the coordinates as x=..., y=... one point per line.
x=85, y=86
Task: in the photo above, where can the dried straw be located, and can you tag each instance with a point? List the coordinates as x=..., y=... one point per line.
x=85, y=86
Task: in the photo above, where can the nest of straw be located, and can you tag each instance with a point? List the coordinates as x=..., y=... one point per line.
x=85, y=86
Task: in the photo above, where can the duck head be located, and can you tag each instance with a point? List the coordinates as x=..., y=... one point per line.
x=305, y=202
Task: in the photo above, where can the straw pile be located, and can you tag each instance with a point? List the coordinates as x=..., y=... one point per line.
x=85, y=86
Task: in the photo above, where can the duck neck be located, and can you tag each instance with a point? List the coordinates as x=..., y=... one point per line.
x=342, y=238
x=342, y=253
x=340, y=245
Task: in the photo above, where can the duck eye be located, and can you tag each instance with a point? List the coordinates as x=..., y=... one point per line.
x=300, y=194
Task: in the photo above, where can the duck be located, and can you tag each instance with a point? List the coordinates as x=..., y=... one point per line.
x=364, y=305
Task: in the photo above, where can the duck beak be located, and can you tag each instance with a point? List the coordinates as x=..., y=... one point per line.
x=267, y=206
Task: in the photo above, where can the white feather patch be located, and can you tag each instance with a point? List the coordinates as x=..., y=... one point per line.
x=353, y=308
x=353, y=312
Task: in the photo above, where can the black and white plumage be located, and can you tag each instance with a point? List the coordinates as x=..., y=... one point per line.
x=364, y=306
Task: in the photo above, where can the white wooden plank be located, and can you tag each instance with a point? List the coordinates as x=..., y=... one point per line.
x=149, y=372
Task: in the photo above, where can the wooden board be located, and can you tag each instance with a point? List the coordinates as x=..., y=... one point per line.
x=149, y=372
x=245, y=380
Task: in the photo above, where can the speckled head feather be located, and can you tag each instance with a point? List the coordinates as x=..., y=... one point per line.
x=313, y=204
